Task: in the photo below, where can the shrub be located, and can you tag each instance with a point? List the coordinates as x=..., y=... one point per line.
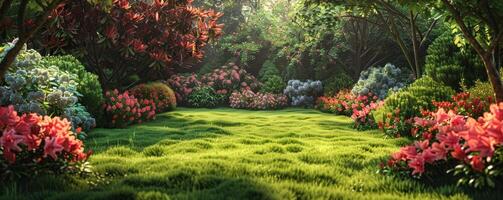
x=160, y=93
x=205, y=97
x=123, y=109
x=334, y=84
x=418, y=96
x=80, y=118
x=303, y=93
x=274, y=84
x=469, y=148
x=230, y=77
x=32, y=144
x=183, y=86
x=379, y=80
x=248, y=99
x=451, y=65
x=26, y=58
x=88, y=85
x=268, y=69
x=481, y=90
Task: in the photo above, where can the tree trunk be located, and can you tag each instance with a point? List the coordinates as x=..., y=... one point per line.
x=494, y=77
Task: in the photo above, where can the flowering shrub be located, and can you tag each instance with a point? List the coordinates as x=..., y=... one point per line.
x=469, y=148
x=206, y=97
x=31, y=144
x=362, y=113
x=379, y=80
x=248, y=99
x=303, y=93
x=183, y=86
x=27, y=58
x=80, y=118
x=123, y=109
x=228, y=78
x=464, y=104
x=160, y=93
x=340, y=104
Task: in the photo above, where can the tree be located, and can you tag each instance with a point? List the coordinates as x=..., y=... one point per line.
x=481, y=23
x=133, y=39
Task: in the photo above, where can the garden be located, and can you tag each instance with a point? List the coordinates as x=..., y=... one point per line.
x=250, y=99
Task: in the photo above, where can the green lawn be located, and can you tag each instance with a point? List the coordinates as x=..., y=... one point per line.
x=237, y=154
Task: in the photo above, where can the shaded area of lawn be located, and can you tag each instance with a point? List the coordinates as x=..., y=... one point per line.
x=236, y=154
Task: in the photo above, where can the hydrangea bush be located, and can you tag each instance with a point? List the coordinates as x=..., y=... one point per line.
x=248, y=99
x=27, y=58
x=303, y=93
x=379, y=80
x=32, y=144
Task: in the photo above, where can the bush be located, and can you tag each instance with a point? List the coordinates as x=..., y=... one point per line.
x=268, y=69
x=333, y=85
x=247, y=99
x=481, y=90
x=206, y=97
x=418, y=96
x=160, y=93
x=183, y=86
x=453, y=142
x=123, y=109
x=229, y=78
x=26, y=58
x=451, y=65
x=274, y=84
x=303, y=93
x=379, y=80
x=88, y=85
x=32, y=144
x=80, y=118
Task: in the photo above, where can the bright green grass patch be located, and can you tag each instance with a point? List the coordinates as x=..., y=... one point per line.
x=236, y=154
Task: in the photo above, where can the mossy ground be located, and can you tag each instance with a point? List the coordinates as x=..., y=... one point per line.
x=237, y=154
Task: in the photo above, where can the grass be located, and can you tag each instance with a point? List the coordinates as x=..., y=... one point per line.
x=236, y=154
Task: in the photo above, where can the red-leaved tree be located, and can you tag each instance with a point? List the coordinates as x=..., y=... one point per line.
x=134, y=40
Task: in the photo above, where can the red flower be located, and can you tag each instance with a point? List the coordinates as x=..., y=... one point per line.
x=53, y=145
x=477, y=163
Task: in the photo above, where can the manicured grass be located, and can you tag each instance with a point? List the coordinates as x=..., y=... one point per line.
x=237, y=154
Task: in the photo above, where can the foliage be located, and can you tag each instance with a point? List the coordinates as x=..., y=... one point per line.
x=123, y=109
x=32, y=144
x=268, y=69
x=26, y=58
x=88, y=85
x=303, y=93
x=417, y=96
x=273, y=84
x=80, y=118
x=230, y=77
x=380, y=80
x=481, y=90
x=183, y=86
x=341, y=104
x=452, y=65
x=143, y=39
x=248, y=99
x=455, y=141
x=160, y=93
x=467, y=105
x=336, y=83
x=205, y=97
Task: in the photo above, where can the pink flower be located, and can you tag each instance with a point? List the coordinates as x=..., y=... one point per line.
x=53, y=146
x=417, y=164
x=10, y=140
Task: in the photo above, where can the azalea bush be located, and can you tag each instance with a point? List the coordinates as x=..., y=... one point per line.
x=160, y=93
x=183, y=86
x=31, y=144
x=303, y=93
x=470, y=149
x=248, y=99
x=379, y=80
x=229, y=78
x=123, y=109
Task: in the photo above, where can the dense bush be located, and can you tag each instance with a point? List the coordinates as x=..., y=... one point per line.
x=229, y=78
x=206, y=97
x=418, y=96
x=303, y=93
x=26, y=59
x=268, y=69
x=274, y=84
x=88, y=85
x=481, y=90
x=123, y=109
x=379, y=80
x=336, y=83
x=248, y=99
x=32, y=144
x=183, y=86
x=160, y=93
x=451, y=65
x=470, y=149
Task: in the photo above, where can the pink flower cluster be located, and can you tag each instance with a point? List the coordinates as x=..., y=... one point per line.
x=183, y=86
x=30, y=142
x=230, y=78
x=452, y=137
x=248, y=99
x=125, y=109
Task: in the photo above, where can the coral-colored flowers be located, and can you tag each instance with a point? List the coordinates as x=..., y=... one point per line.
x=124, y=109
x=31, y=143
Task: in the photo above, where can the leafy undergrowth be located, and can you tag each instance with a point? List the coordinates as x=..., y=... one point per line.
x=237, y=154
